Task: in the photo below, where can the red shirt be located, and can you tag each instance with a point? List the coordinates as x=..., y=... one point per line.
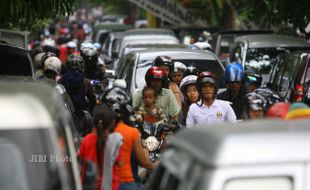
x=88, y=151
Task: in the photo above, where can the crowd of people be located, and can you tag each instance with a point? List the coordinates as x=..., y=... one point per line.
x=173, y=93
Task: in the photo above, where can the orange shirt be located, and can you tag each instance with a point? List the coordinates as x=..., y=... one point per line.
x=130, y=136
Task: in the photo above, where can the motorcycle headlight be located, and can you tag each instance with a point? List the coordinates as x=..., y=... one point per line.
x=151, y=143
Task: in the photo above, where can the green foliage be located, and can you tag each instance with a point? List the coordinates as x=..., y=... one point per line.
x=31, y=14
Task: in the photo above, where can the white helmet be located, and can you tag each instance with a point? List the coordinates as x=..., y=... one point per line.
x=49, y=42
x=53, y=64
x=178, y=66
x=188, y=80
x=71, y=44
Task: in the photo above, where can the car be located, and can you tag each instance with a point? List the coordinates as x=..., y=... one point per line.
x=133, y=47
x=224, y=39
x=290, y=77
x=15, y=60
x=148, y=36
x=257, y=51
x=109, y=47
x=260, y=154
x=135, y=64
x=35, y=127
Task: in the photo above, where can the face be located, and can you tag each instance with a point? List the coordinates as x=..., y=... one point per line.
x=149, y=98
x=208, y=91
x=166, y=69
x=192, y=93
x=176, y=77
x=256, y=114
x=235, y=87
x=157, y=84
x=251, y=88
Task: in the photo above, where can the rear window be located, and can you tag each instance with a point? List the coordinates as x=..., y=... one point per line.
x=14, y=64
x=202, y=65
x=267, y=183
x=260, y=59
x=33, y=150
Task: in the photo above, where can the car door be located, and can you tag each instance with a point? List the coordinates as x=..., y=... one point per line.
x=126, y=72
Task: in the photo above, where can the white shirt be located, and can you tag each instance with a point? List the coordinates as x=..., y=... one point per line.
x=219, y=111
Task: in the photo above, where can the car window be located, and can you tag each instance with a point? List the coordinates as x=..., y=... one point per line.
x=289, y=72
x=237, y=52
x=260, y=59
x=202, y=65
x=14, y=64
x=265, y=183
x=127, y=70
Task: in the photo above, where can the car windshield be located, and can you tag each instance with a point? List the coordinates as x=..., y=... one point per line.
x=201, y=65
x=260, y=59
x=14, y=64
x=32, y=150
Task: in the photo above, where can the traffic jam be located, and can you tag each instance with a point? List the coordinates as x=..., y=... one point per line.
x=153, y=95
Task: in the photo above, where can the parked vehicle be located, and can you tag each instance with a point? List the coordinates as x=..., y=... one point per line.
x=260, y=154
x=148, y=36
x=135, y=64
x=15, y=61
x=224, y=39
x=35, y=129
x=257, y=51
x=290, y=77
x=109, y=47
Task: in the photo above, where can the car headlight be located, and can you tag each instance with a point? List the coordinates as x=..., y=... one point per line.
x=151, y=143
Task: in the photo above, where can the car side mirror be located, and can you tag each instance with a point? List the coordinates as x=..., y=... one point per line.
x=91, y=176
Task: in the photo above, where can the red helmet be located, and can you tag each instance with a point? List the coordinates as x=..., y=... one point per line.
x=155, y=73
x=206, y=77
x=278, y=110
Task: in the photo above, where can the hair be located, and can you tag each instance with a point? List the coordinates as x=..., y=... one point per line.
x=103, y=117
x=148, y=88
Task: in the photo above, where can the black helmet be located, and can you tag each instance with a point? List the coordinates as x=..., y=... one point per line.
x=191, y=70
x=270, y=97
x=120, y=102
x=164, y=61
x=206, y=77
x=75, y=62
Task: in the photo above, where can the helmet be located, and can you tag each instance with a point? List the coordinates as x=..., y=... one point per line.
x=186, y=81
x=164, y=61
x=53, y=64
x=120, y=102
x=72, y=45
x=89, y=53
x=298, y=110
x=254, y=101
x=270, y=97
x=38, y=60
x=49, y=42
x=251, y=77
x=178, y=66
x=278, y=110
x=191, y=70
x=45, y=56
x=206, y=77
x=155, y=73
x=234, y=72
x=75, y=62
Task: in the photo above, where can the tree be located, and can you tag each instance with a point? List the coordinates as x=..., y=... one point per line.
x=30, y=14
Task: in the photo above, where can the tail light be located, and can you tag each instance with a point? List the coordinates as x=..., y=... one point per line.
x=299, y=91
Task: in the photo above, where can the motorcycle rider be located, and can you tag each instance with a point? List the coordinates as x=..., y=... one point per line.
x=117, y=99
x=166, y=63
x=209, y=109
x=234, y=77
x=190, y=94
x=52, y=68
x=156, y=78
x=176, y=74
x=90, y=56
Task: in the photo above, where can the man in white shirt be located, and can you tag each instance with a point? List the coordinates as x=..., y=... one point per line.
x=209, y=109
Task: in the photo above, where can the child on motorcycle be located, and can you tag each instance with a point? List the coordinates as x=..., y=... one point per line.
x=149, y=112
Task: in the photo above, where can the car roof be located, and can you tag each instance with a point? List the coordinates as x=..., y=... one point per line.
x=177, y=53
x=41, y=90
x=23, y=111
x=253, y=142
x=150, y=31
x=271, y=40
